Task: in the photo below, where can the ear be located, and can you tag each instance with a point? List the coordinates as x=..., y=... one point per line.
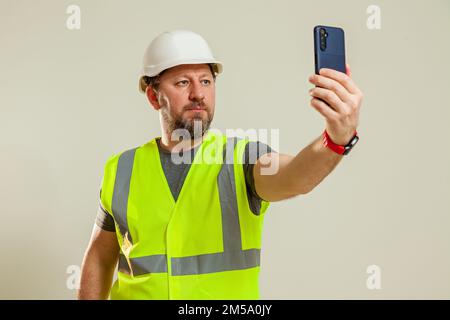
x=151, y=96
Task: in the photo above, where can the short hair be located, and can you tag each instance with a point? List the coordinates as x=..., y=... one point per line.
x=154, y=81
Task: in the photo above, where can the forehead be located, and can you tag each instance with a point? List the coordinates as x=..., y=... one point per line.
x=187, y=69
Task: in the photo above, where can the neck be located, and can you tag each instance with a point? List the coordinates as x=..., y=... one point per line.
x=181, y=145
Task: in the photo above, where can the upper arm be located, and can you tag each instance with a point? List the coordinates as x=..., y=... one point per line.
x=98, y=265
x=269, y=172
x=104, y=245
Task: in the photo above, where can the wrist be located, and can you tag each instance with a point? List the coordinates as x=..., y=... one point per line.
x=337, y=148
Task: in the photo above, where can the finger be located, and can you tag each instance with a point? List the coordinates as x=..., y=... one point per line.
x=330, y=84
x=324, y=109
x=340, y=77
x=329, y=97
x=348, y=71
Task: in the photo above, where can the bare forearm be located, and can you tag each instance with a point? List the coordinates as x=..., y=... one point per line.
x=310, y=166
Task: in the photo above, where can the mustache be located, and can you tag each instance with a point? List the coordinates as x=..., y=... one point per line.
x=195, y=105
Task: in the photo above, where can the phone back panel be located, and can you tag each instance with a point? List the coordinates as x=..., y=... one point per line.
x=333, y=55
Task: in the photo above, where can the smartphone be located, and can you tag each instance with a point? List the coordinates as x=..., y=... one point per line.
x=329, y=48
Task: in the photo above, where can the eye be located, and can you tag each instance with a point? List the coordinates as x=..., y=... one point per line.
x=206, y=81
x=182, y=83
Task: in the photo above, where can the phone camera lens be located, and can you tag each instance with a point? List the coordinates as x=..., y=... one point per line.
x=323, y=39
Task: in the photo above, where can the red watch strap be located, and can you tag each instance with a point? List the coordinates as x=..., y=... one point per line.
x=327, y=142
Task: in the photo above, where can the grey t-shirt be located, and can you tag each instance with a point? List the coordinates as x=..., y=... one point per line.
x=176, y=174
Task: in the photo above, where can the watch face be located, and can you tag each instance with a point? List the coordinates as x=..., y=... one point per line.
x=354, y=141
x=350, y=145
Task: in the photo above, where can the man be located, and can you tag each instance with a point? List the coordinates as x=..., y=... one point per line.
x=192, y=230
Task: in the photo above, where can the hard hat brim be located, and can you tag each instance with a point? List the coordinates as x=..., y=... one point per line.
x=152, y=72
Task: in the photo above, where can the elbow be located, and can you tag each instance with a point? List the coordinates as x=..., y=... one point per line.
x=301, y=188
x=289, y=194
x=303, y=191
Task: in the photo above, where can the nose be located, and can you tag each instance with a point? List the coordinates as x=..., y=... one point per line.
x=196, y=93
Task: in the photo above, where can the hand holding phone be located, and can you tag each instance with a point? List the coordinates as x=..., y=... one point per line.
x=335, y=95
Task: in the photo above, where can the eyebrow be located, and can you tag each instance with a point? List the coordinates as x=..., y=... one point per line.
x=201, y=75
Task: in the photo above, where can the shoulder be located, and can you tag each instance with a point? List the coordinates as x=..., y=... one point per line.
x=114, y=158
x=254, y=150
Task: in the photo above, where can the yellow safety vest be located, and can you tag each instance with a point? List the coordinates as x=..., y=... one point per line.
x=205, y=245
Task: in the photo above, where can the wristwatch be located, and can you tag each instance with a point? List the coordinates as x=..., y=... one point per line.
x=343, y=150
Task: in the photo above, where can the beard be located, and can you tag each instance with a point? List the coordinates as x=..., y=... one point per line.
x=196, y=125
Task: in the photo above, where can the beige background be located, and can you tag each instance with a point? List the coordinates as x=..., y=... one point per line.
x=69, y=100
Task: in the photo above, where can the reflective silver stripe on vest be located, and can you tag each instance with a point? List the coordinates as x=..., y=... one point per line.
x=143, y=265
x=121, y=191
x=216, y=262
x=119, y=206
x=232, y=258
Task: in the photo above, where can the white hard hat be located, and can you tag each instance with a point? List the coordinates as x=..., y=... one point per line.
x=172, y=48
